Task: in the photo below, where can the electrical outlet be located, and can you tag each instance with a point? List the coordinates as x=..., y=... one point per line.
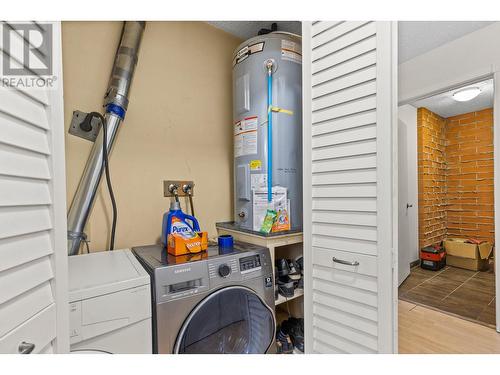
x=84, y=130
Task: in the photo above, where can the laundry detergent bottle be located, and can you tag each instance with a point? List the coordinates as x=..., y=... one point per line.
x=176, y=222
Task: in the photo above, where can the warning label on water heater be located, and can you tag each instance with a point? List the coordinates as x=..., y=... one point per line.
x=291, y=51
x=246, y=51
x=245, y=136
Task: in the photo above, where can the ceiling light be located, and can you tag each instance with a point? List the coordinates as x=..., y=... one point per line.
x=466, y=94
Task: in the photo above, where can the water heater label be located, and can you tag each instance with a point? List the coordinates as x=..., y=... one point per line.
x=245, y=136
x=246, y=51
x=291, y=51
x=255, y=165
x=258, y=181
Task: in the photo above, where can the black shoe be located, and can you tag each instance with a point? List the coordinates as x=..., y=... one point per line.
x=283, y=342
x=294, y=272
x=292, y=266
x=300, y=263
x=282, y=266
x=285, y=286
x=295, y=329
x=279, y=347
x=300, y=283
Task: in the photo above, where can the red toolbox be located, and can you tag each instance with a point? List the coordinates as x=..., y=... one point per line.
x=433, y=257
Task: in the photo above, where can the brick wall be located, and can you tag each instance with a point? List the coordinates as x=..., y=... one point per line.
x=455, y=168
x=469, y=154
x=431, y=145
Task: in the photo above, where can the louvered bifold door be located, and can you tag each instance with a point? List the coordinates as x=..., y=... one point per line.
x=33, y=255
x=349, y=218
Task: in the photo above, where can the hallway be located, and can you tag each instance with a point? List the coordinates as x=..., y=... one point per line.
x=426, y=331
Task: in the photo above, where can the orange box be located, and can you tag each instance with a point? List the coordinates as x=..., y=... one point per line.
x=177, y=245
x=180, y=259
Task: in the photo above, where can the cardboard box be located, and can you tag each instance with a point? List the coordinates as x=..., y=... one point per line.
x=177, y=245
x=470, y=256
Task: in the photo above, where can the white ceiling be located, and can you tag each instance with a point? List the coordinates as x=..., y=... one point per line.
x=445, y=106
x=415, y=37
x=418, y=37
x=249, y=29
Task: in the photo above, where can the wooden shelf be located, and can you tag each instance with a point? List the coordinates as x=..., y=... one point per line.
x=258, y=239
x=271, y=242
x=297, y=293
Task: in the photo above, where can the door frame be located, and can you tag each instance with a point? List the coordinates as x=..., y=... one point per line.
x=58, y=170
x=306, y=182
x=412, y=178
x=496, y=183
x=496, y=157
x=387, y=170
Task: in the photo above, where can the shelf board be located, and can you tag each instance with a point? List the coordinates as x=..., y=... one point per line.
x=297, y=293
x=257, y=239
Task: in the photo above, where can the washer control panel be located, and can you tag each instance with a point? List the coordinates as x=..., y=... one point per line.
x=250, y=263
x=223, y=268
x=235, y=268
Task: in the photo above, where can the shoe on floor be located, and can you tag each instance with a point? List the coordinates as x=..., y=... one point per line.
x=294, y=327
x=283, y=342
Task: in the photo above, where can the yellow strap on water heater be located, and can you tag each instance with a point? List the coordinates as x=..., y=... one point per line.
x=279, y=110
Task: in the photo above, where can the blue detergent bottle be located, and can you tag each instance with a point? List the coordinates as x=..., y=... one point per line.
x=175, y=221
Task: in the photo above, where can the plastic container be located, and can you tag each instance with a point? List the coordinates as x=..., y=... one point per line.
x=226, y=243
x=177, y=222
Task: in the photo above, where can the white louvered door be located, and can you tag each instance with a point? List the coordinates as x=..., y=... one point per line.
x=33, y=255
x=350, y=204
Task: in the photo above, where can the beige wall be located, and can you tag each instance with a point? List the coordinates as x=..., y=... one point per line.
x=177, y=125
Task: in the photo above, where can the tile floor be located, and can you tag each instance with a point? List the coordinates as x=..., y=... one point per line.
x=468, y=294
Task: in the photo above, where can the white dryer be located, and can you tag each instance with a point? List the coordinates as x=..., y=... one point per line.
x=110, y=304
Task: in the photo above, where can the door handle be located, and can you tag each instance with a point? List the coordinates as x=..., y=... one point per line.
x=408, y=205
x=25, y=347
x=345, y=262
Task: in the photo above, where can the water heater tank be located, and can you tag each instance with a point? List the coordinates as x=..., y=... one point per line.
x=250, y=114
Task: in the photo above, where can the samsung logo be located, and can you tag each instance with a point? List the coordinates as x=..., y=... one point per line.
x=181, y=270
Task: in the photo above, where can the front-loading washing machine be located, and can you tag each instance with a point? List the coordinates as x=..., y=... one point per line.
x=211, y=302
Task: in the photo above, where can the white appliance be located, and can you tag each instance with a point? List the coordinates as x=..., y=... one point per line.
x=110, y=303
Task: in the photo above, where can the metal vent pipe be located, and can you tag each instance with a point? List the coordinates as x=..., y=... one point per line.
x=116, y=103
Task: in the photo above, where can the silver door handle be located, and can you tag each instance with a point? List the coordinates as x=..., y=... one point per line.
x=25, y=347
x=347, y=263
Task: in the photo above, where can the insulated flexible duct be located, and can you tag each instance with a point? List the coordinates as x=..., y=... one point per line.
x=116, y=103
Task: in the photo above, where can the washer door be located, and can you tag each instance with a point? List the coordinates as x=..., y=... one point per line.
x=231, y=320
